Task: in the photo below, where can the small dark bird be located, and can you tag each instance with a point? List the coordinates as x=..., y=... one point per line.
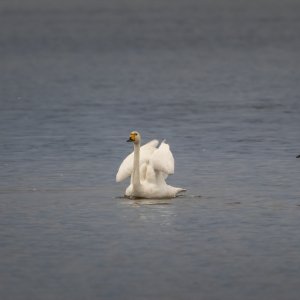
x=298, y=156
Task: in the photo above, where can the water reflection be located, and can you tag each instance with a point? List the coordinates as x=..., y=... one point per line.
x=142, y=202
x=153, y=211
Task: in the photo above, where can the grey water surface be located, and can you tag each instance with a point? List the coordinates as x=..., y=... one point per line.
x=219, y=80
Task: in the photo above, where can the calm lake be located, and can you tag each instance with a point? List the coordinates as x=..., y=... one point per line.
x=219, y=80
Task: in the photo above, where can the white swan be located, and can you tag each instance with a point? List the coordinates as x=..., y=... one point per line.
x=148, y=166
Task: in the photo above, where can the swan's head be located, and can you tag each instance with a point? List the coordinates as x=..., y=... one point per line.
x=134, y=137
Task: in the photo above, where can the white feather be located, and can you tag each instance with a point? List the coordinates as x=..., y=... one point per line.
x=162, y=159
x=126, y=167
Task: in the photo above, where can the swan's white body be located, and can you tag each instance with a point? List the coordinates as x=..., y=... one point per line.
x=148, y=167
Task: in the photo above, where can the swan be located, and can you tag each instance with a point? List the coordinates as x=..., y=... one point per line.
x=148, y=167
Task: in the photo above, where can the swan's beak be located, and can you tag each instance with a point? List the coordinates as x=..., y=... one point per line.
x=131, y=137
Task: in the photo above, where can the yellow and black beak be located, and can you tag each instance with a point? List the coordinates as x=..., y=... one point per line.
x=132, y=137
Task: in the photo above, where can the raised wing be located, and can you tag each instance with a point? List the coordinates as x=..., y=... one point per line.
x=162, y=159
x=126, y=166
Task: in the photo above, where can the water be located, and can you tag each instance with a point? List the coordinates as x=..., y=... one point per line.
x=219, y=80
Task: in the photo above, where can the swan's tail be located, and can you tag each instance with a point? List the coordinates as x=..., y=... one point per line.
x=179, y=191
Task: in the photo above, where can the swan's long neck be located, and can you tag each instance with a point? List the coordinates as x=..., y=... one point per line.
x=136, y=166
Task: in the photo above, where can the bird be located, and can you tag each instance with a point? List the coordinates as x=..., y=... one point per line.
x=298, y=156
x=148, y=166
